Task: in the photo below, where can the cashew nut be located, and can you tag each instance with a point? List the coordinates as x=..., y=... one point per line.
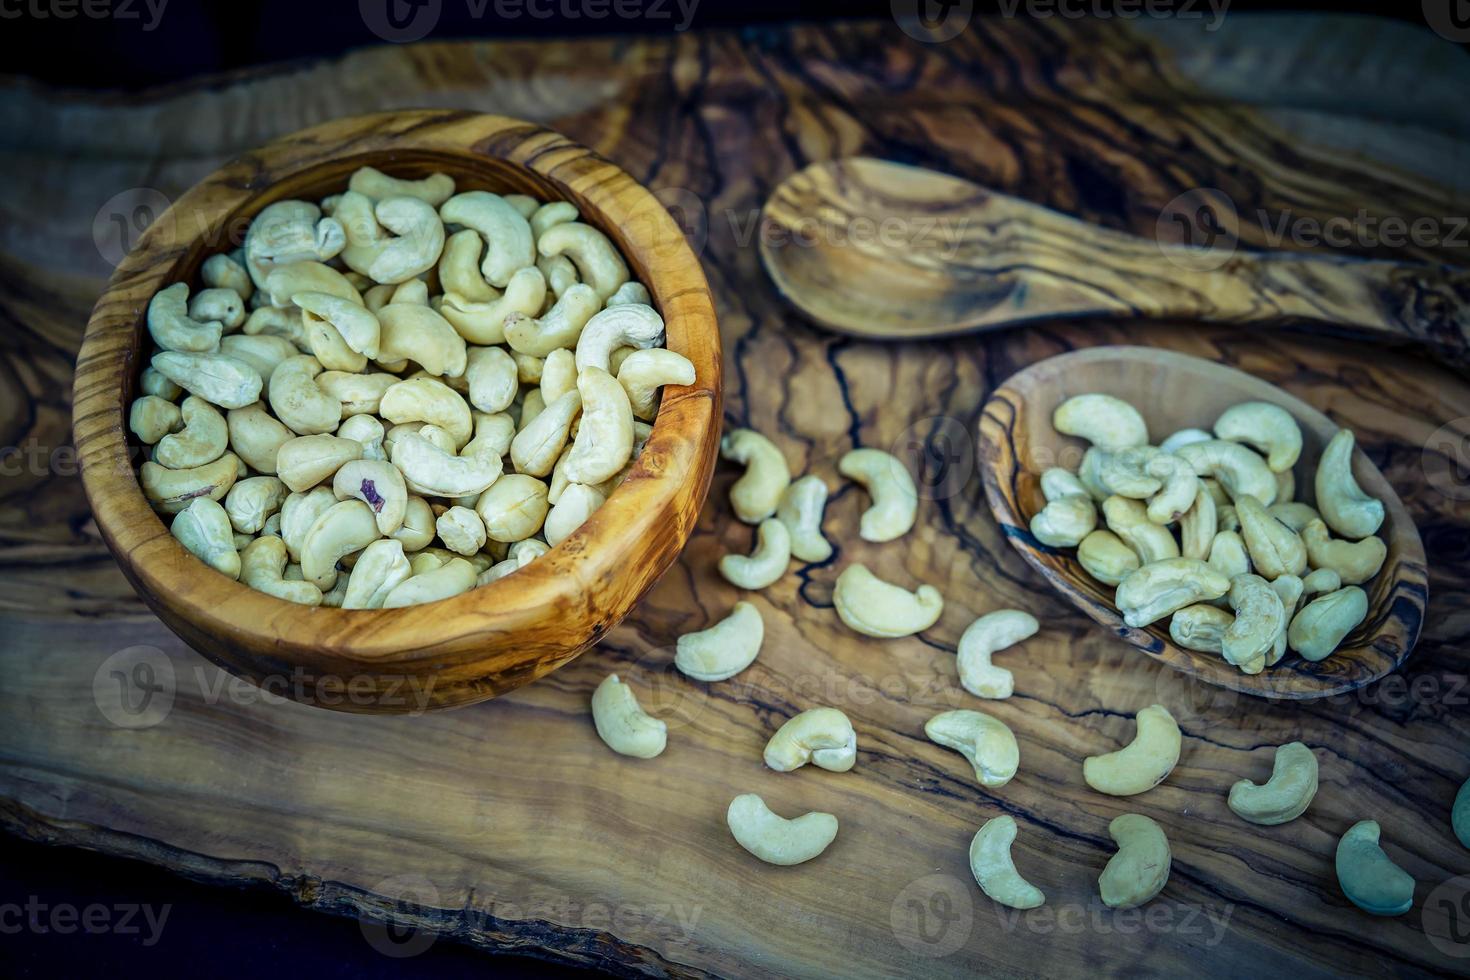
x=1200, y=627
x=444, y=582
x=428, y=400
x=171, y=327
x=305, y=461
x=483, y=321
x=217, y=378
x=1197, y=527
x=1367, y=877
x=1275, y=549
x=755, y=496
x=306, y=277
x=1140, y=869
x=800, y=510
x=1143, y=763
x=994, y=870
x=558, y=374
x=1283, y=797
x=724, y=649
x=261, y=566
x=493, y=435
x=1344, y=506
x=1104, y=421
x=1180, y=488
x=510, y=246
x=895, y=500
x=1128, y=519
x=263, y=352
x=1106, y=558
x=644, y=372
x=1183, y=438
x=822, y=736
x=287, y=233
x=151, y=418
x=1323, y=623
x=873, y=607
x=1355, y=562
x=461, y=530
x=252, y=501
x=630, y=292
x=1124, y=472
x=434, y=189
x=1161, y=588
x=576, y=504
x=550, y=215
x=562, y=326
x=418, y=525
x=765, y=564
x=376, y=483
x=217, y=305
x=1228, y=555
x=1293, y=514
x=418, y=240
x=986, y=742
x=774, y=839
x=1260, y=617
x=985, y=636
x=299, y=401
x=427, y=468
x=298, y=514
x=1237, y=468
x=1321, y=581
x=629, y=325
x=154, y=383
x=343, y=528
x=604, y=442
x=222, y=272
x=622, y=723
x=459, y=268
x=536, y=447
x=560, y=274
x=278, y=321
x=170, y=491
x=332, y=322
x=1267, y=427
x=492, y=379
x=1066, y=519
x=203, y=527
x=594, y=255
x=410, y=332
x=202, y=439
x=513, y=508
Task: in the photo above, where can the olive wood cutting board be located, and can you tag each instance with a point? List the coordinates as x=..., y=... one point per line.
x=509, y=825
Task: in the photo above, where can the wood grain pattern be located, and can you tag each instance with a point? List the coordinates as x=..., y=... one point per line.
x=1174, y=391
x=490, y=639
x=891, y=252
x=531, y=835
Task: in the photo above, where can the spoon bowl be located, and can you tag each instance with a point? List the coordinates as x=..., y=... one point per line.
x=1175, y=391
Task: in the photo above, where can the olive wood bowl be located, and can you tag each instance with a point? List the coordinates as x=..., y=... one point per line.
x=1175, y=391
x=493, y=638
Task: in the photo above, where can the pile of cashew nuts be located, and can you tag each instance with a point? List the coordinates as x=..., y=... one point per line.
x=1252, y=572
x=788, y=517
x=398, y=394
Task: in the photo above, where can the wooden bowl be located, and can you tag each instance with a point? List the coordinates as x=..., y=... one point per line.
x=491, y=639
x=1175, y=391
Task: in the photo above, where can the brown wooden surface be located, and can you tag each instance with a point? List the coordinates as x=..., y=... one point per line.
x=488, y=640
x=508, y=824
x=1175, y=391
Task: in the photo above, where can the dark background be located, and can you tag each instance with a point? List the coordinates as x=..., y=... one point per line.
x=214, y=931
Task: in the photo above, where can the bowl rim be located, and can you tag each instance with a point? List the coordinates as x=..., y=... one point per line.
x=635, y=535
x=1401, y=606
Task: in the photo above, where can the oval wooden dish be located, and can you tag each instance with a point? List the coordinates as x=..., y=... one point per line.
x=488, y=640
x=1175, y=391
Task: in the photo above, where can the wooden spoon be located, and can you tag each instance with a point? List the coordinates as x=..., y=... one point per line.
x=883, y=250
x=1175, y=391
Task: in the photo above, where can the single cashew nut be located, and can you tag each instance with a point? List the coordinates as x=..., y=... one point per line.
x=994, y=870
x=380, y=569
x=895, y=500
x=800, y=510
x=821, y=736
x=1140, y=869
x=171, y=327
x=483, y=321
x=724, y=649
x=604, y=442
x=306, y=277
x=1275, y=550
x=444, y=582
x=1143, y=763
x=354, y=325
x=1197, y=527
x=576, y=504
x=536, y=447
x=1200, y=627
x=278, y=321
x=1125, y=472
x=170, y=491
x=410, y=332
x=154, y=383
x=491, y=374
x=305, y=461
x=1228, y=555
x=1259, y=619
x=459, y=268
x=1065, y=521
x=1128, y=519
x=1367, y=877
x=985, y=636
x=1237, y=468
x=1104, y=421
x=261, y=566
x=594, y=255
x=774, y=839
x=418, y=240
x=461, y=530
x=622, y=723
x=1161, y=588
x=434, y=189
x=756, y=495
x=418, y=525
x=644, y=372
x=766, y=563
x=217, y=378
x=151, y=418
x=263, y=352
x=986, y=742
x=1269, y=428
x=493, y=435
x=514, y=507
x=1180, y=488
x=1283, y=797
x=1344, y=506
x=629, y=325
x=874, y=607
x=289, y=233
x=1322, y=581
x=298, y=514
x=204, y=529
x=429, y=469
x=550, y=215
x=561, y=275
x=203, y=439
x=510, y=246
x=376, y=483
x=299, y=401
x=223, y=272
x=251, y=502
x=1355, y=562
x=343, y=528
x=561, y=326
x=1323, y=623
x=1106, y=558
x=426, y=399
